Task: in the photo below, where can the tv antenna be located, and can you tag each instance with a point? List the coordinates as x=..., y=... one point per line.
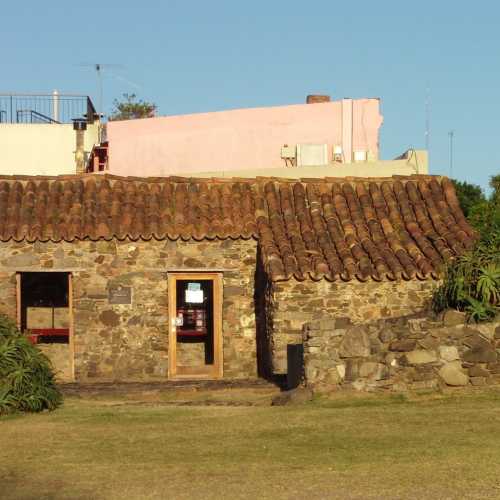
x=451, y=133
x=427, y=118
x=99, y=68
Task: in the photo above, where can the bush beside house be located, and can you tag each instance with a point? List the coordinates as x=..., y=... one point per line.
x=26, y=377
x=472, y=281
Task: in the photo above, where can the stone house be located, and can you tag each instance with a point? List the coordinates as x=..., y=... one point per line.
x=153, y=278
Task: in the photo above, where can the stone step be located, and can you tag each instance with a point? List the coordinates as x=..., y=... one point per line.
x=248, y=392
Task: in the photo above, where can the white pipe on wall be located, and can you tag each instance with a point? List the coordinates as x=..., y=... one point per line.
x=347, y=132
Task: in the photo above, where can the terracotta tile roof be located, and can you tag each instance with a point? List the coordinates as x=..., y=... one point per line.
x=333, y=228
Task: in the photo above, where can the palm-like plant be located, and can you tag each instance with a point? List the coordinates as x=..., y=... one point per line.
x=479, y=311
x=26, y=378
x=472, y=283
x=488, y=283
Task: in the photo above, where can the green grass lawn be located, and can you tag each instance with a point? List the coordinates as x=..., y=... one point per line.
x=347, y=447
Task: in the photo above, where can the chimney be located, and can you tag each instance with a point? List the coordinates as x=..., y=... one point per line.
x=79, y=126
x=316, y=98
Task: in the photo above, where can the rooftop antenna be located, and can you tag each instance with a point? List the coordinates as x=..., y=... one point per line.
x=99, y=68
x=427, y=118
x=451, y=133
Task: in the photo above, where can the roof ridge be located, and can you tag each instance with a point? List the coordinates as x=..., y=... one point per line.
x=184, y=179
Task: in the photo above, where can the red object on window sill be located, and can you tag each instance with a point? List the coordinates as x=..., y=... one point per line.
x=191, y=333
x=35, y=333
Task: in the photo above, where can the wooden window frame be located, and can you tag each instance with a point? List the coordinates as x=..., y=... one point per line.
x=70, y=307
x=214, y=371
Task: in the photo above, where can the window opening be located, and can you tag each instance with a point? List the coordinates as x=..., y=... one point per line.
x=45, y=307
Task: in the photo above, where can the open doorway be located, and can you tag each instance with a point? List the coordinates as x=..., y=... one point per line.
x=195, y=346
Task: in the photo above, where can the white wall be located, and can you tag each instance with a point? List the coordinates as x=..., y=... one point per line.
x=41, y=149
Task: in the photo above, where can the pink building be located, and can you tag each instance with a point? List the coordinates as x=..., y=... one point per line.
x=316, y=133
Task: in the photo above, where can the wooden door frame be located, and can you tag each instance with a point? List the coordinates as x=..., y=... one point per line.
x=216, y=277
x=70, y=307
x=18, y=300
x=71, y=327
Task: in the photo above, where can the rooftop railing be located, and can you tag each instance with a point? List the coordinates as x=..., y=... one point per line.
x=45, y=108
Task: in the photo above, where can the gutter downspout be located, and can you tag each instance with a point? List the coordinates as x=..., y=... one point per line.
x=347, y=129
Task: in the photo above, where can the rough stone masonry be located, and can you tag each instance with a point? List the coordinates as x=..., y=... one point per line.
x=409, y=352
x=130, y=341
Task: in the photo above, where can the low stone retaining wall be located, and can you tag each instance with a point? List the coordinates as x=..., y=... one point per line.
x=410, y=352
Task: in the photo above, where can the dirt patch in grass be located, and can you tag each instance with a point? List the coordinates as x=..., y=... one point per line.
x=445, y=446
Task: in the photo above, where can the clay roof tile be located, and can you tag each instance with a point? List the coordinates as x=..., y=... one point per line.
x=388, y=228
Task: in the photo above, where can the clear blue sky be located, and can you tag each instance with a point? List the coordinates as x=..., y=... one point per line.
x=199, y=55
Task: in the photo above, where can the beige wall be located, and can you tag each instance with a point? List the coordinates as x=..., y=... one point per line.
x=41, y=149
x=413, y=162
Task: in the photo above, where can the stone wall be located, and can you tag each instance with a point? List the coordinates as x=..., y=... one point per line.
x=410, y=352
x=119, y=341
x=60, y=356
x=292, y=304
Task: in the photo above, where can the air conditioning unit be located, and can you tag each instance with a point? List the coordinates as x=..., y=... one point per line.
x=309, y=155
x=338, y=154
x=288, y=152
x=359, y=156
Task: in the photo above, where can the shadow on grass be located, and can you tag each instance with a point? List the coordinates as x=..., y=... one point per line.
x=355, y=401
x=16, y=485
x=450, y=396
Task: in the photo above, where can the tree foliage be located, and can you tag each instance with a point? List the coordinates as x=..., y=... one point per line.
x=26, y=378
x=131, y=109
x=485, y=216
x=468, y=195
x=472, y=281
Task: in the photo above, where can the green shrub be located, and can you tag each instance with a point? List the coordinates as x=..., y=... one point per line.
x=472, y=284
x=26, y=378
x=472, y=281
